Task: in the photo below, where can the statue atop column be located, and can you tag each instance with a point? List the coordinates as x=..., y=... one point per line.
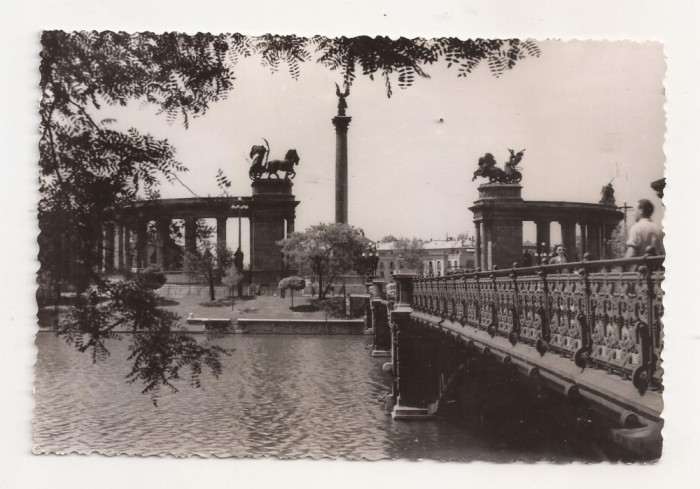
x=342, y=104
x=607, y=195
x=509, y=173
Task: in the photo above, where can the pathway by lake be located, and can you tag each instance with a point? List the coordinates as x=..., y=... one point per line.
x=279, y=396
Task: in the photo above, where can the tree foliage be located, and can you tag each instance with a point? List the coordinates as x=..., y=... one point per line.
x=87, y=169
x=327, y=249
x=292, y=283
x=209, y=266
x=231, y=279
x=408, y=252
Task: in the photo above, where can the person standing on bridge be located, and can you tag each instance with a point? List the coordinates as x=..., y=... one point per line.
x=644, y=233
x=558, y=255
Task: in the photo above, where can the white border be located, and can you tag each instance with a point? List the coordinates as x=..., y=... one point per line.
x=673, y=23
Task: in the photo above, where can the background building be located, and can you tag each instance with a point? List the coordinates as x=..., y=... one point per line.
x=439, y=257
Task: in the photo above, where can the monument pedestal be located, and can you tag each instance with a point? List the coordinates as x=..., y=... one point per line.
x=273, y=205
x=497, y=217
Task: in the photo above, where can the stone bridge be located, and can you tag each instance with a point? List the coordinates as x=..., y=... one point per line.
x=586, y=335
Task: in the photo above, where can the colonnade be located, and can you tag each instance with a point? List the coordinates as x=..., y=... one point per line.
x=595, y=239
x=500, y=212
x=123, y=243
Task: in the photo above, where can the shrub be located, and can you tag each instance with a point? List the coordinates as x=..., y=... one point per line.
x=152, y=277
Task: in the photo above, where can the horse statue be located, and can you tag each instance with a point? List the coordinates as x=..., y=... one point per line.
x=286, y=165
x=509, y=174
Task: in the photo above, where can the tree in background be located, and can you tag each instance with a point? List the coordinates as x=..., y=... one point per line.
x=292, y=283
x=409, y=253
x=231, y=280
x=618, y=241
x=327, y=249
x=209, y=266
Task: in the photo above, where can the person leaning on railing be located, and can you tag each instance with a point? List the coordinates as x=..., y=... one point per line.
x=644, y=233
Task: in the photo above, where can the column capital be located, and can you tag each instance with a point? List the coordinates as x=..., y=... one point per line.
x=341, y=123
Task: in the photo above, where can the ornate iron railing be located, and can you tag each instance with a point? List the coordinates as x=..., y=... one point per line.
x=594, y=312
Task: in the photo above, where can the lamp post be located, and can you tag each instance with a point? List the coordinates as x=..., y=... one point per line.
x=238, y=254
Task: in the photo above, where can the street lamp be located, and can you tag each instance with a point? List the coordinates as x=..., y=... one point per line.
x=238, y=254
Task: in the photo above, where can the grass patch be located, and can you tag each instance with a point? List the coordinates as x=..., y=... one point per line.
x=333, y=306
x=305, y=308
x=216, y=303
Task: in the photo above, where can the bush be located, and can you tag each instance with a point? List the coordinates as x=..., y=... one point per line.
x=293, y=283
x=152, y=277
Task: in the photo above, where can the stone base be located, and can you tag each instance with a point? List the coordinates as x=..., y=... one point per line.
x=411, y=413
x=272, y=186
x=381, y=353
x=500, y=191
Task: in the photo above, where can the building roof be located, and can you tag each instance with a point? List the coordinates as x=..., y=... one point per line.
x=438, y=244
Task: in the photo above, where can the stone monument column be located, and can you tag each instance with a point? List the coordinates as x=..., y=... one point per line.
x=164, y=238
x=477, y=262
x=109, y=247
x=568, y=239
x=127, y=248
x=220, y=236
x=190, y=235
x=341, y=123
x=141, y=236
x=543, y=237
x=120, y=241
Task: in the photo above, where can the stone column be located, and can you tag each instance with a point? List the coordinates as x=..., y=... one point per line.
x=127, y=248
x=120, y=240
x=341, y=124
x=486, y=253
x=164, y=258
x=290, y=225
x=141, y=249
x=607, y=238
x=100, y=247
x=190, y=235
x=220, y=237
x=584, y=240
x=593, y=240
x=543, y=237
x=477, y=262
x=109, y=246
x=568, y=239
x=506, y=237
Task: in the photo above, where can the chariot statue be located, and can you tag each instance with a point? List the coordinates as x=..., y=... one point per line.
x=509, y=174
x=260, y=165
x=607, y=195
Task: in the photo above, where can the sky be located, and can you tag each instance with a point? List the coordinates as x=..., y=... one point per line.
x=585, y=112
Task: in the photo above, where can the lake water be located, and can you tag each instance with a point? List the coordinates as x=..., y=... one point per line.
x=279, y=396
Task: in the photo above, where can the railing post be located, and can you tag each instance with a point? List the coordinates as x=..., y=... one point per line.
x=478, y=299
x=583, y=354
x=642, y=376
x=542, y=344
x=514, y=335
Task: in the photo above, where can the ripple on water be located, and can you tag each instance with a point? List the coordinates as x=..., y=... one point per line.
x=279, y=396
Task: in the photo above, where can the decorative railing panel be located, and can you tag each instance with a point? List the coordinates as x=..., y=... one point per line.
x=591, y=311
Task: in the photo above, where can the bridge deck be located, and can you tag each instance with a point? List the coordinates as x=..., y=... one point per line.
x=596, y=384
